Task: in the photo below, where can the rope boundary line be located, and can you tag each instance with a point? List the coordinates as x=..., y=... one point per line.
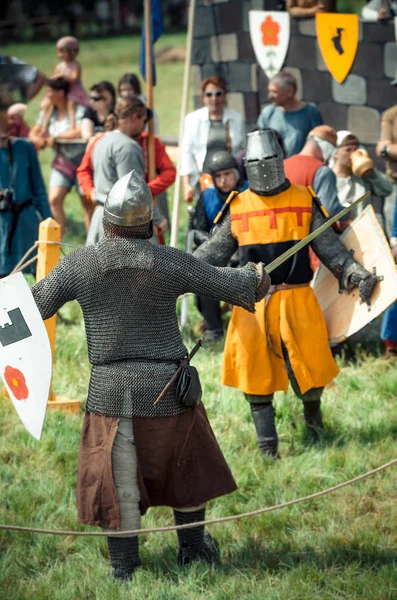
x=252, y=513
x=22, y=265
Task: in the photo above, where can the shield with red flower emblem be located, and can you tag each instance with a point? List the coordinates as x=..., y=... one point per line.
x=25, y=353
x=270, y=33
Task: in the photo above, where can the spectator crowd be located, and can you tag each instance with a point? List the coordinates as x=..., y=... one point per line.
x=99, y=136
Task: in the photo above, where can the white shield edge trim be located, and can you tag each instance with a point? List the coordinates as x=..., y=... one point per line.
x=283, y=19
x=38, y=373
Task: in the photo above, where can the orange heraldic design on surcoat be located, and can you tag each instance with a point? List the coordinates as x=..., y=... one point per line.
x=264, y=227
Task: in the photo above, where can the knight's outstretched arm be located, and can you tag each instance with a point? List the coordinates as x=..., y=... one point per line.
x=242, y=287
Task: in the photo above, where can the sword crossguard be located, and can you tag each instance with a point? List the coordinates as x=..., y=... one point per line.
x=378, y=277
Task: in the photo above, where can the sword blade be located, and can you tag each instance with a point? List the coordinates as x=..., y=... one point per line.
x=312, y=236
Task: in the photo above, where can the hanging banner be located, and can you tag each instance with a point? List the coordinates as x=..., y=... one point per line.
x=337, y=36
x=270, y=32
x=25, y=353
x=343, y=313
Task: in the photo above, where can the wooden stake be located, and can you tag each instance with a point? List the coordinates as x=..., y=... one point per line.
x=185, y=92
x=47, y=259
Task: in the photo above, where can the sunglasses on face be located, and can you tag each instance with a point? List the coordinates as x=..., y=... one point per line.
x=216, y=94
x=96, y=98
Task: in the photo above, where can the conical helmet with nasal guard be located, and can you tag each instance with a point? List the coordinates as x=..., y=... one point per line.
x=129, y=202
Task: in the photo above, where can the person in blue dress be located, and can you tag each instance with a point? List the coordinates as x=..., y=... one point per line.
x=23, y=199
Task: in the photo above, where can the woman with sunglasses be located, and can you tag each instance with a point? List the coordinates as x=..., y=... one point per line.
x=102, y=100
x=207, y=130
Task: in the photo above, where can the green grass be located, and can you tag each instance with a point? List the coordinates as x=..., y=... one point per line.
x=340, y=547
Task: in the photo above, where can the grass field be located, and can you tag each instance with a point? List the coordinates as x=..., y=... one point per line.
x=340, y=547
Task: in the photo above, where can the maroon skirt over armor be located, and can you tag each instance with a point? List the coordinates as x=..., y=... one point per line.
x=179, y=461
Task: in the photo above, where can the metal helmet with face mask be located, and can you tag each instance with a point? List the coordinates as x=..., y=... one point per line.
x=129, y=202
x=264, y=162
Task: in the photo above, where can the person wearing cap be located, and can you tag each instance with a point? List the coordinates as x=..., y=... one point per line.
x=356, y=174
x=286, y=338
x=136, y=453
x=115, y=153
x=309, y=167
x=226, y=176
x=292, y=118
x=16, y=123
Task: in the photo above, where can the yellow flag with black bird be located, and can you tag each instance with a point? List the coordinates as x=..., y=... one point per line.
x=338, y=36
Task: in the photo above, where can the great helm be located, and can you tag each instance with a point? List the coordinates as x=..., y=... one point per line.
x=129, y=202
x=264, y=161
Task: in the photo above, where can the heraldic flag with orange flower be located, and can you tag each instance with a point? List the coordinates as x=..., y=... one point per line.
x=270, y=33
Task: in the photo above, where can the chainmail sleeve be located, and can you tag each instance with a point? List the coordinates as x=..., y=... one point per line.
x=220, y=246
x=236, y=286
x=52, y=292
x=334, y=254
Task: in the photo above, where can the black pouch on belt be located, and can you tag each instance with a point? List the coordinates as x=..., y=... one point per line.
x=188, y=388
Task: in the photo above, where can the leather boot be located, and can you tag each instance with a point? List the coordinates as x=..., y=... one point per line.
x=313, y=418
x=264, y=420
x=194, y=543
x=124, y=556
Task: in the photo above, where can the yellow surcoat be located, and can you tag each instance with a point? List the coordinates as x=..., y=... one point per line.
x=293, y=316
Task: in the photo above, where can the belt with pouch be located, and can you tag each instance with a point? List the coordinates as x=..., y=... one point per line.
x=188, y=387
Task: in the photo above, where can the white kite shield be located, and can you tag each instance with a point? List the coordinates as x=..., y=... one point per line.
x=270, y=33
x=344, y=315
x=25, y=353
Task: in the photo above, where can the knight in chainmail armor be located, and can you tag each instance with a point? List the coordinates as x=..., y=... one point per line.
x=287, y=337
x=135, y=454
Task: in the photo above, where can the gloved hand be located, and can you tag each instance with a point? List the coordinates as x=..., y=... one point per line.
x=264, y=282
x=366, y=287
x=357, y=276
